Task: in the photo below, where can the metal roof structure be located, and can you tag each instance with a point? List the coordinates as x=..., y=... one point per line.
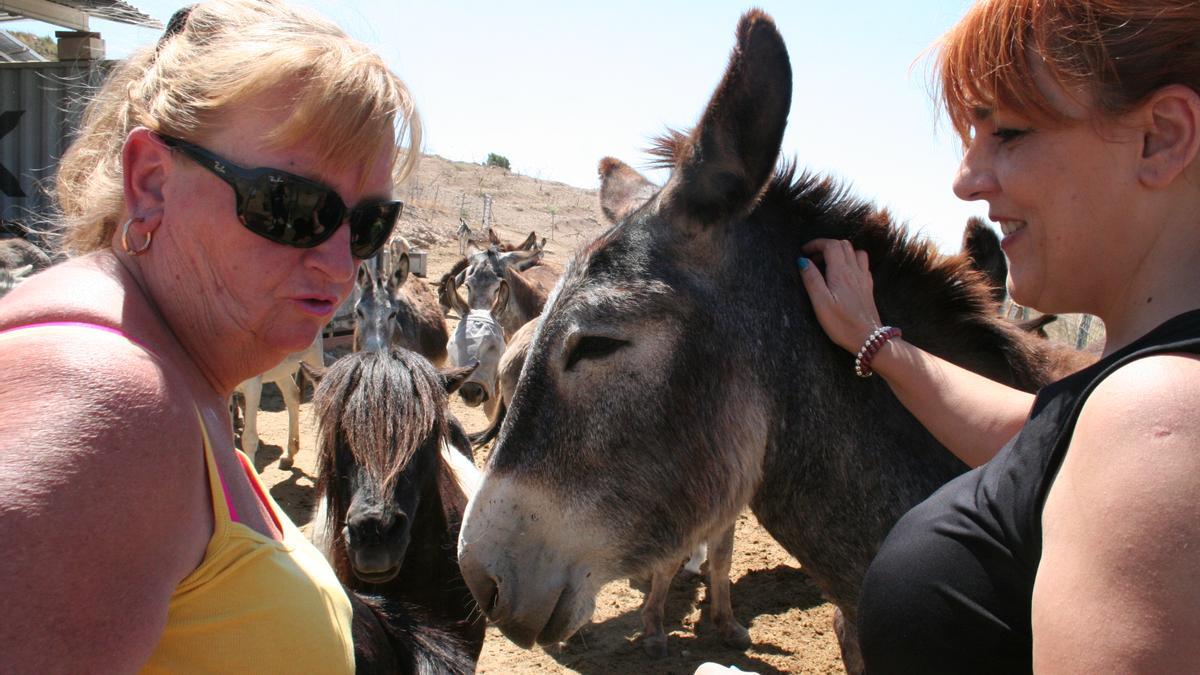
x=74, y=14
x=12, y=49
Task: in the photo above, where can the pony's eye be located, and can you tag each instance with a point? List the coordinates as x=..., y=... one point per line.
x=593, y=347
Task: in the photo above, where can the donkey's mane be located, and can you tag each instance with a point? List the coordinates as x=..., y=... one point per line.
x=459, y=266
x=826, y=209
x=382, y=406
x=822, y=207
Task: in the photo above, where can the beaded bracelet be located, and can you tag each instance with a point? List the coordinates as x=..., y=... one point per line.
x=878, y=338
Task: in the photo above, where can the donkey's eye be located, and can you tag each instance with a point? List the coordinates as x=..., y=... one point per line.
x=593, y=347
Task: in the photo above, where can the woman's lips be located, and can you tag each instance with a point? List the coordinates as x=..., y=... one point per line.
x=1011, y=226
x=320, y=307
x=1014, y=231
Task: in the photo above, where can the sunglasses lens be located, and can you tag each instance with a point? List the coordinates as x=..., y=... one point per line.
x=291, y=213
x=370, y=227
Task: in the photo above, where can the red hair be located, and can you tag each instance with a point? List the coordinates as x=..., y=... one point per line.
x=1117, y=51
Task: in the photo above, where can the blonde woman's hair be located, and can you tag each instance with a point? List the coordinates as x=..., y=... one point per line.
x=345, y=102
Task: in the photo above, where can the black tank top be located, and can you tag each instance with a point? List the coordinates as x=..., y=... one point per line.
x=952, y=586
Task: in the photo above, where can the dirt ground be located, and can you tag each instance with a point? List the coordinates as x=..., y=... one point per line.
x=789, y=622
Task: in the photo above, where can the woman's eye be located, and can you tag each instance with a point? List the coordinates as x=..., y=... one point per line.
x=1008, y=134
x=593, y=347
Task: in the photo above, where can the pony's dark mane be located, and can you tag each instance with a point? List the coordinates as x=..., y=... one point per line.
x=419, y=644
x=383, y=407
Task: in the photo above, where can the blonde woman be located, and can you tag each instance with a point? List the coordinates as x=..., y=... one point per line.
x=1075, y=546
x=224, y=184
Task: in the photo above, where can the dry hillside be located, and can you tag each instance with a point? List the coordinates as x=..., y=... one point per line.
x=442, y=191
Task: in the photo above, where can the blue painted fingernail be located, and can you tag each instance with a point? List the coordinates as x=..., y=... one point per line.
x=802, y=262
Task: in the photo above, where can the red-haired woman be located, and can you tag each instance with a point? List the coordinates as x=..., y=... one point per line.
x=1075, y=544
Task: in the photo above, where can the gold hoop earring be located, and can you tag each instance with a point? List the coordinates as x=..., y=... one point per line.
x=125, y=239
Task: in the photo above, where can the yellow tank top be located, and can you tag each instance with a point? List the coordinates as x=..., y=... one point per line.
x=256, y=605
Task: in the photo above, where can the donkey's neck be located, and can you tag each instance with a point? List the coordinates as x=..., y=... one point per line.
x=844, y=457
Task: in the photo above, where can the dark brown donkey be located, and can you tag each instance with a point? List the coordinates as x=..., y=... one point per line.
x=679, y=375
x=394, y=475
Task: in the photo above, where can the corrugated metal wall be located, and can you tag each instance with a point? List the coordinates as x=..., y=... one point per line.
x=39, y=108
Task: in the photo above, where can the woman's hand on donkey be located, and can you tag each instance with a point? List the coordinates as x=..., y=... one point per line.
x=844, y=297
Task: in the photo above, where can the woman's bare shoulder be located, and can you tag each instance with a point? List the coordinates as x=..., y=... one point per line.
x=72, y=383
x=1163, y=389
x=102, y=484
x=1121, y=526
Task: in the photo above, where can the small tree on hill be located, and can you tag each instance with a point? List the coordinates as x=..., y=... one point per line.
x=498, y=160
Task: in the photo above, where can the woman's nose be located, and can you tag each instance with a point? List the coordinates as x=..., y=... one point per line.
x=333, y=255
x=975, y=178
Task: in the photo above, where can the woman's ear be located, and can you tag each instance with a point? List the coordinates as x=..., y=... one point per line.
x=1171, y=138
x=145, y=162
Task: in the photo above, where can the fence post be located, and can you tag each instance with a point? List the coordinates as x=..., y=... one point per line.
x=1081, y=338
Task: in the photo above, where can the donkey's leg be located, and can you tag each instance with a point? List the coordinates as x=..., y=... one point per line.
x=847, y=635
x=291, y=398
x=720, y=604
x=252, y=389
x=654, y=638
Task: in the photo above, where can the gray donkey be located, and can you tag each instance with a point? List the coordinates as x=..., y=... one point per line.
x=679, y=374
x=395, y=308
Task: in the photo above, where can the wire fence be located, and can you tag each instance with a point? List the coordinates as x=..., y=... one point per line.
x=1081, y=331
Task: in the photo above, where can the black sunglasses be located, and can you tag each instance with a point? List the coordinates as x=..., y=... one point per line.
x=293, y=210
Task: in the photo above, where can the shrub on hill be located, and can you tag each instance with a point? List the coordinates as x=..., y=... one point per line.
x=44, y=45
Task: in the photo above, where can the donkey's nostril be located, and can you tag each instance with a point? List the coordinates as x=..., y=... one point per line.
x=489, y=607
x=484, y=586
x=473, y=393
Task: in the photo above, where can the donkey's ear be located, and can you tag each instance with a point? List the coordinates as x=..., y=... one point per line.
x=622, y=189
x=501, y=299
x=530, y=242
x=453, y=378
x=312, y=372
x=493, y=237
x=981, y=245
x=364, y=276
x=521, y=260
x=400, y=274
x=456, y=300
x=725, y=163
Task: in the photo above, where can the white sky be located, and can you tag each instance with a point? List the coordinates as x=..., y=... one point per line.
x=556, y=86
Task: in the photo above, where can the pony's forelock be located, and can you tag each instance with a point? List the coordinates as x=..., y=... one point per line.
x=384, y=407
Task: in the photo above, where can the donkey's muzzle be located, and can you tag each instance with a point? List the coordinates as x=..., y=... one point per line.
x=473, y=394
